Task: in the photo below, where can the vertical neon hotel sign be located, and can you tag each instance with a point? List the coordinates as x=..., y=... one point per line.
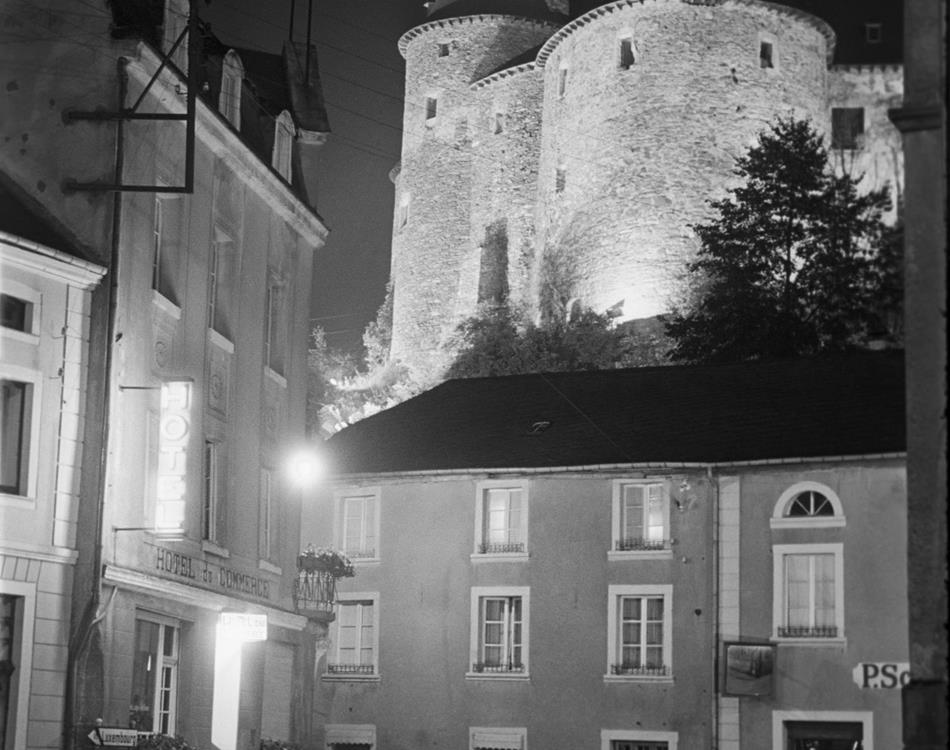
x=174, y=431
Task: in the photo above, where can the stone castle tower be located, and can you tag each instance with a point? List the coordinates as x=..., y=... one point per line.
x=550, y=158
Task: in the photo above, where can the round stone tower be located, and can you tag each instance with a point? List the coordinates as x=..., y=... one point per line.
x=646, y=106
x=436, y=265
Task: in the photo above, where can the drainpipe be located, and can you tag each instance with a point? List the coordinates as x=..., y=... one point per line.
x=94, y=612
x=714, y=503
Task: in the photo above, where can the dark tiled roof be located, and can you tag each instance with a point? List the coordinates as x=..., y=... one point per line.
x=23, y=217
x=848, y=405
x=534, y=9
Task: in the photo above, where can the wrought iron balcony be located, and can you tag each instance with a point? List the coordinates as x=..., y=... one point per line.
x=481, y=666
x=315, y=584
x=490, y=548
x=638, y=670
x=639, y=544
x=807, y=631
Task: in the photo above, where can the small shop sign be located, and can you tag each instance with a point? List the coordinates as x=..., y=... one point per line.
x=881, y=674
x=748, y=668
x=115, y=737
x=244, y=626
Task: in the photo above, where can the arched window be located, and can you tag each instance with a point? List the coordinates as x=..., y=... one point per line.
x=808, y=504
x=229, y=102
x=283, y=144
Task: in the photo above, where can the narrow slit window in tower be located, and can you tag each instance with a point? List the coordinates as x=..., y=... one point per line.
x=560, y=179
x=443, y=49
x=766, y=54
x=627, y=55
x=561, y=81
x=432, y=108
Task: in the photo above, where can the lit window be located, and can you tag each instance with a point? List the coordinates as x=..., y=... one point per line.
x=229, y=102
x=210, y=495
x=637, y=739
x=847, y=127
x=808, y=591
x=432, y=108
x=497, y=738
x=16, y=400
x=766, y=54
x=283, y=144
x=561, y=81
x=640, y=635
x=502, y=518
x=873, y=33
x=627, y=53
x=499, y=632
x=360, y=528
x=355, y=647
x=807, y=505
x=154, y=694
x=641, y=518
x=17, y=313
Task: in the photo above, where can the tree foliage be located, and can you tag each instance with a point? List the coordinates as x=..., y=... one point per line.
x=503, y=341
x=796, y=262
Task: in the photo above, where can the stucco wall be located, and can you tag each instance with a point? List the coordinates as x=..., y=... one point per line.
x=424, y=579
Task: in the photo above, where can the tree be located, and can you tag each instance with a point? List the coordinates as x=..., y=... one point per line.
x=503, y=341
x=792, y=264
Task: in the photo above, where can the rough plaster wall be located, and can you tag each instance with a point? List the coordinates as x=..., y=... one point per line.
x=505, y=177
x=881, y=157
x=431, y=251
x=645, y=148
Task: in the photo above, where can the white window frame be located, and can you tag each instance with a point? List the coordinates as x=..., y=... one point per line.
x=281, y=155
x=780, y=520
x=26, y=498
x=18, y=710
x=866, y=718
x=614, y=593
x=267, y=546
x=341, y=496
x=498, y=738
x=210, y=490
x=779, y=551
x=608, y=736
x=617, y=517
x=174, y=661
x=354, y=598
x=481, y=491
x=34, y=299
x=478, y=593
x=350, y=734
x=229, y=99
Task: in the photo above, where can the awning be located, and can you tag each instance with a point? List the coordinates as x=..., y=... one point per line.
x=501, y=739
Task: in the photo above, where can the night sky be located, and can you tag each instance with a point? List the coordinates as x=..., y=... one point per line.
x=363, y=81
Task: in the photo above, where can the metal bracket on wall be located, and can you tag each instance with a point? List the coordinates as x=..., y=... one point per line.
x=131, y=113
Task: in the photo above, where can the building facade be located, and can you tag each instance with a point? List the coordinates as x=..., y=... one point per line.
x=185, y=528
x=655, y=558
x=553, y=158
x=44, y=342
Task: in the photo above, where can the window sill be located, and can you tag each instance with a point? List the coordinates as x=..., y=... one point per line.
x=269, y=567
x=806, y=523
x=839, y=642
x=22, y=502
x=14, y=335
x=220, y=341
x=165, y=305
x=499, y=556
x=210, y=548
x=335, y=677
x=499, y=676
x=364, y=560
x=615, y=555
x=623, y=678
x=275, y=376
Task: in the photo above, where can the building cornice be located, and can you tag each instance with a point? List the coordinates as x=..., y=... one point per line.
x=57, y=555
x=897, y=68
x=214, y=131
x=447, y=23
x=506, y=73
x=605, y=10
x=648, y=467
x=197, y=597
x=913, y=119
x=48, y=261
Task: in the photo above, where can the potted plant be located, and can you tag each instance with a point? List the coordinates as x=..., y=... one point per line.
x=325, y=560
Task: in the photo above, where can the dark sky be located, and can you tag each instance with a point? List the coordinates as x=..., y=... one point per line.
x=362, y=74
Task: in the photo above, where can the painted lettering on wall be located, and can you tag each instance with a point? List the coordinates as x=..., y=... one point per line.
x=173, y=433
x=881, y=674
x=207, y=574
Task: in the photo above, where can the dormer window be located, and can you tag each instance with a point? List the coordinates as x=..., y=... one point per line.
x=229, y=102
x=283, y=144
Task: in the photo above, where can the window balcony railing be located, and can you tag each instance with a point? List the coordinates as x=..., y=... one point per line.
x=807, y=631
x=639, y=544
x=481, y=666
x=351, y=669
x=634, y=670
x=494, y=548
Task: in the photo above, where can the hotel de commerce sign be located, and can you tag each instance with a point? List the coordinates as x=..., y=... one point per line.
x=171, y=564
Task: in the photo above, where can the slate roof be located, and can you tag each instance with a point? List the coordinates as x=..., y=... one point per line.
x=808, y=408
